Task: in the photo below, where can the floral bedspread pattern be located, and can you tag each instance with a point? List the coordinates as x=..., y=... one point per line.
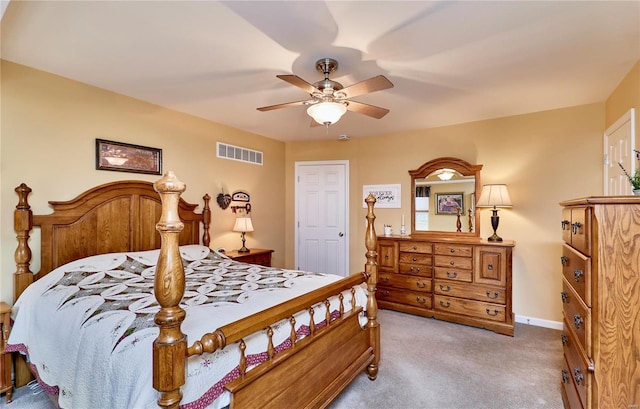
x=129, y=286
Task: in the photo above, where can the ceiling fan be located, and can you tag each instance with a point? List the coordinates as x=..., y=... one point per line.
x=329, y=99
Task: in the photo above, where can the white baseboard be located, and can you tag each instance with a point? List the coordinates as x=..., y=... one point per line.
x=539, y=322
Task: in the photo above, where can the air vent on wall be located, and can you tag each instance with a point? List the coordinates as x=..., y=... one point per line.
x=237, y=153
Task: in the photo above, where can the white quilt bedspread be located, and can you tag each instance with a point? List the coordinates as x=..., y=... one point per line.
x=88, y=328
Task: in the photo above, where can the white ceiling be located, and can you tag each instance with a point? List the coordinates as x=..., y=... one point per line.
x=451, y=61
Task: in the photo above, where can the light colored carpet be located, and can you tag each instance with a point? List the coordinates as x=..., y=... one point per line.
x=429, y=364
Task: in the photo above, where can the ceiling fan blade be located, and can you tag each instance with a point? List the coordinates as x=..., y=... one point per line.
x=366, y=109
x=278, y=106
x=299, y=82
x=364, y=87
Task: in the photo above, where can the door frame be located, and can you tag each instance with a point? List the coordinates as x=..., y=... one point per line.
x=296, y=224
x=628, y=116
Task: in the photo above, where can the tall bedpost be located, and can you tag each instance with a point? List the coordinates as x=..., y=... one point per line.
x=22, y=224
x=371, y=269
x=206, y=220
x=170, y=348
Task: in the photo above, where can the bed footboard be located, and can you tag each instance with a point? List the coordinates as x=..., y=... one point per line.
x=310, y=373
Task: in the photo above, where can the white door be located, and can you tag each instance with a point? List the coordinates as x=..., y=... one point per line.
x=619, y=144
x=321, y=217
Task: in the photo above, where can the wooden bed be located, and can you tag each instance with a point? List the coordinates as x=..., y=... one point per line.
x=136, y=215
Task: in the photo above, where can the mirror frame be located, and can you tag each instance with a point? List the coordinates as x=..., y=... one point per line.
x=459, y=165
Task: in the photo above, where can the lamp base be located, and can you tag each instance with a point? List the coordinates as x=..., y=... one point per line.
x=244, y=248
x=495, y=220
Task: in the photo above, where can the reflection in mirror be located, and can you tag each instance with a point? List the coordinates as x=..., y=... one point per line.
x=445, y=197
x=448, y=193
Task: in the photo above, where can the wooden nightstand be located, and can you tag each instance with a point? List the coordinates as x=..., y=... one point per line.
x=254, y=256
x=5, y=357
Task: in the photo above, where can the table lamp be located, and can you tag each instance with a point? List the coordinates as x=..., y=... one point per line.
x=494, y=196
x=243, y=225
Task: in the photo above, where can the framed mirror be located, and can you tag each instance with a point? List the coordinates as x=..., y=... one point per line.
x=444, y=197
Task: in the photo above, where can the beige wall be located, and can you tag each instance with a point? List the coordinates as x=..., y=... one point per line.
x=543, y=157
x=48, y=131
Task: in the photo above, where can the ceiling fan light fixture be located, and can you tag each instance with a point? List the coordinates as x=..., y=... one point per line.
x=446, y=174
x=327, y=113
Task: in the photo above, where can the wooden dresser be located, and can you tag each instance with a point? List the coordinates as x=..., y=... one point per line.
x=601, y=302
x=467, y=281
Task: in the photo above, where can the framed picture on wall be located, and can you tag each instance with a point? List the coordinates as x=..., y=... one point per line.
x=449, y=203
x=126, y=157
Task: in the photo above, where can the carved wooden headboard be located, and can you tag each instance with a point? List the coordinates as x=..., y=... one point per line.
x=114, y=217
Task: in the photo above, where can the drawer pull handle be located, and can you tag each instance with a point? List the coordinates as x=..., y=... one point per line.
x=452, y=274
x=385, y=279
x=564, y=296
x=445, y=287
x=417, y=269
x=565, y=376
x=445, y=306
x=385, y=292
x=420, y=285
x=414, y=259
x=564, y=339
x=577, y=374
x=564, y=260
x=495, y=312
x=577, y=321
x=577, y=274
x=386, y=257
x=495, y=295
x=421, y=300
x=490, y=266
x=415, y=247
x=564, y=224
x=452, y=250
x=575, y=226
x=452, y=262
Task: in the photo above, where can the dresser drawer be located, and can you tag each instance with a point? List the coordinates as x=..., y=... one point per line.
x=452, y=261
x=414, y=298
x=578, y=368
x=576, y=228
x=415, y=258
x=570, y=396
x=576, y=269
x=452, y=274
x=453, y=250
x=473, y=292
x=578, y=316
x=477, y=309
x=416, y=247
x=405, y=282
x=415, y=269
x=387, y=256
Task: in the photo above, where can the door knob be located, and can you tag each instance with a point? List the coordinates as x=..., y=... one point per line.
x=340, y=234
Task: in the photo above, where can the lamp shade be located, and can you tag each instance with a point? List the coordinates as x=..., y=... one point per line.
x=494, y=196
x=327, y=113
x=243, y=224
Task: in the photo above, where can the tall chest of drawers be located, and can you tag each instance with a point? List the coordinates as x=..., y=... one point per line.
x=601, y=302
x=467, y=282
